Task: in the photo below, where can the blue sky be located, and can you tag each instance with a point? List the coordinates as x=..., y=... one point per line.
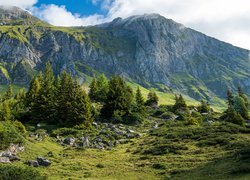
x=82, y=7
x=227, y=20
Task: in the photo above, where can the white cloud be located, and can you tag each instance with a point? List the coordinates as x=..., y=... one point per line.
x=18, y=3
x=227, y=20
x=59, y=16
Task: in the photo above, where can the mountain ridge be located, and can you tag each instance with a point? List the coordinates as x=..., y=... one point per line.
x=147, y=49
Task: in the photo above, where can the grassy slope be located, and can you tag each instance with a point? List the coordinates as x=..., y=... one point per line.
x=174, y=151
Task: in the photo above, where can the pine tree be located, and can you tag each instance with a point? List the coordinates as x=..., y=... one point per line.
x=243, y=96
x=230, y=98
x=5, y=114
x=140, y=103
x=234, y=117
x=73, y=104
x=180, y=103
x=204, y=107
x=240, y=107
x=119, y=98
x=99, y=89
x=152, y=99
x=8, y=94
x=46, y=96
x=93, y=90
x=102, y=88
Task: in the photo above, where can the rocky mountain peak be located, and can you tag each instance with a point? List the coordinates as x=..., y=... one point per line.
x=11, y=15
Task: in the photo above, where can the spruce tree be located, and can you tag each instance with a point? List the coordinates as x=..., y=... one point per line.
x=140, y=102
x=102, y=88
x=5, y=113
x=240, y=107
x=180, y=103
x=152, y=99
x=93, y=90
x=204, y=107
x=73, y=104
x=230, y=98
x=119, y=98
x=8, y=94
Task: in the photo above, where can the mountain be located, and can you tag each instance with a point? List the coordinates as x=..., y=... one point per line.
x=147, y=49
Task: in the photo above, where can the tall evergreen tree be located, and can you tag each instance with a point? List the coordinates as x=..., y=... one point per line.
x=5, y=113
x=140, y=102
x=119, y=98
x=204, y=107
x=152, y=99
x=99, y=88
x=180, y=103
x=8, y=94
x=230, y=98
x=102, y=88
x=93, y=90
x=73, y=104
x=240, y=107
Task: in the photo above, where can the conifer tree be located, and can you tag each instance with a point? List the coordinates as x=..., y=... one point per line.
x=180, y=103
x=119, y=98
x=204, y=107
x=73, y=104
x=93, y=90
x=240, y=107
x=102, y=88
x=152, y=99
x=140, y=103
x=8, y=94
x=5, y=113
x=230, y=98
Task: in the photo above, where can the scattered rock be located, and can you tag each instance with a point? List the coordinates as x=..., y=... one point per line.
x=33, y=163
x=69, y=141
x=4, y=160
x=43, y=162
x=84, y=142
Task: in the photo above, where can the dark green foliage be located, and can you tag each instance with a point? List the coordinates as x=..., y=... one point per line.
x=152, y=99
x=99, y=89
x=93, y=90
x=73, y=104
x=134, y=118
x=240, y=106
x=11, y=172
x=140, y=103
x=9, y=133
x=5, y=111
x=180, y=103
x=119, y=99
x=8, y=94
x=204, y=107
x=230, y=98
x=232, y=116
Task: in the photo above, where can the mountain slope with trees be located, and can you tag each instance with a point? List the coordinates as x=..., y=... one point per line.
x=148, y=49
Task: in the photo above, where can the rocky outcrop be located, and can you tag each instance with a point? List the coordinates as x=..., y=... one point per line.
x=149, y=49
x=10, y=154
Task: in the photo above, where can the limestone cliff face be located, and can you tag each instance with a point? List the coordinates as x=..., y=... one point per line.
x=148, y=49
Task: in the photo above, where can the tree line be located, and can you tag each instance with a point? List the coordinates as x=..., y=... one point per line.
x=62, y=100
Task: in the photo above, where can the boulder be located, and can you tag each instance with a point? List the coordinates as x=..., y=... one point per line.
x=43, y=162
x=85, y=142
x=69, y=141
x=33, y=163
x=4, y=160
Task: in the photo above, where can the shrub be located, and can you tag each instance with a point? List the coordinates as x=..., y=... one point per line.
x=193, y=121
x=168, y=115
x=17, y=172
x=134, y=118
x=9, y=134
x=21, y=128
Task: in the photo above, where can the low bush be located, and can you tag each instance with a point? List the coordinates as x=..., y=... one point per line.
x=9, y=134
x=9, y=172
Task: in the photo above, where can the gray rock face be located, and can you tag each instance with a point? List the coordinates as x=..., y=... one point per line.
x=148, y=49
